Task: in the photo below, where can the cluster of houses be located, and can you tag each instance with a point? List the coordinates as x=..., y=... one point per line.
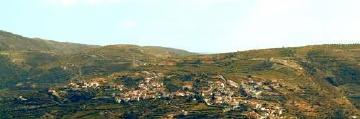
x=255, y=91
x=218, y=91
x=150, y=88
x=264, y=110
x=93, y=83
x=221, y=91
x=248, y=92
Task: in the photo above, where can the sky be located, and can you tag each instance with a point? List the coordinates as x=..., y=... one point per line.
x=210, y=26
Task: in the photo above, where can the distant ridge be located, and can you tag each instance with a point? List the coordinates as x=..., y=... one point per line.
x=10, y=41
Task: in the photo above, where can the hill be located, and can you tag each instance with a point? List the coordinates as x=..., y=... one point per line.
x=129, y=81
x=43, y=61
x=13, y=42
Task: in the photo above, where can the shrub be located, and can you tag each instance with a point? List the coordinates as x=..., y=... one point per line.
x=287, y=52
x=264, y=65
x=131, y=82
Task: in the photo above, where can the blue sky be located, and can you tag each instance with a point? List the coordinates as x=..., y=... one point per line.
x=194, y=25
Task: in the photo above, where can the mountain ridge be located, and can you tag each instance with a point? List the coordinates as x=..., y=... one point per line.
x=10, y=41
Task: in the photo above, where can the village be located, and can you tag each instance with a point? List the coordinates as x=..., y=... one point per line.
x=219, y=91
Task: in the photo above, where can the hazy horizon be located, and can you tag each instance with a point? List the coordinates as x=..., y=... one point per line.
x=204, y=26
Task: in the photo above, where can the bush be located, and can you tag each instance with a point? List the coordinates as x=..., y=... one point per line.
x=265, y=65
x=348, y=73
x=333, y=81
x=287, y=52
x=76, y=95
x=310, y=69
x=339, y=114
x=171, y=86
x=131, y=82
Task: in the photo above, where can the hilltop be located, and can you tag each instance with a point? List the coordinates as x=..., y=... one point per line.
x=13, y=42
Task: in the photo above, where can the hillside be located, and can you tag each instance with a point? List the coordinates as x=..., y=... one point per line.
x=129, y=81
x=109, y=59
x=43, y=61
x=13, y=42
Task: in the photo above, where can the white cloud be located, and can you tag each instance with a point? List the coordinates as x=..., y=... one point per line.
x=99, y=2
x=276, y=23
x=208, y=2
x=68, y=3
x=128, y=24
x=205, y=4
x=63, y=2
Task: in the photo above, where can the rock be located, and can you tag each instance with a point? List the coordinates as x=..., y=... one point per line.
x=22, y=98
x=232, y=83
